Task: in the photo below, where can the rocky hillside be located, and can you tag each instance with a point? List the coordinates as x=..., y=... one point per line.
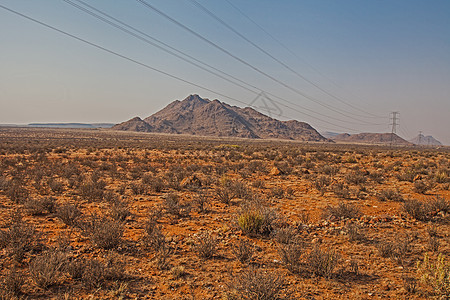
x=371, y=138
x=428, y=140
x=197, y=116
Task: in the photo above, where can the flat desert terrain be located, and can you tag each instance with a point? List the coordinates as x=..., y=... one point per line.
x=98, y=214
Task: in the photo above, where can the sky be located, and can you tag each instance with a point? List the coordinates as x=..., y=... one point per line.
x=341, y=66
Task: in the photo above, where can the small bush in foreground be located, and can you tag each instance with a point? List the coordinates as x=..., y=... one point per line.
x=243, y=251
x=436, y=274
x=322, y=262
x=342, y=211
x=205, y=245
x=256, y=284
x=45, y=269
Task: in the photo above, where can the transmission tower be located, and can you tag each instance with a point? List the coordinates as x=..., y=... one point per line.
x=394, y=119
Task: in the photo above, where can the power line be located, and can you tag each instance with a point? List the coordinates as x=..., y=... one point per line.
x=131, y=59
x=146, y=4
x=371, y=115
x=124, y=27
x=221, y=21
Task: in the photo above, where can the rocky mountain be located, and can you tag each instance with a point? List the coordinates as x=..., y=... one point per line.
x=371, y=138
x=197, y=116
x=428, y=140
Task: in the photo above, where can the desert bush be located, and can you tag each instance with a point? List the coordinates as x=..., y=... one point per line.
x=436, y=274
x=162, y=257
x=17, y=192
x=20, y=238
x=321, y=183
x=287, y=235
x=174, y=207
x=243, y=251
x=417, y=209
x=94, y=274
x=377, y=177
x=277, y=192
x=156, y=184
x=205, y=245
x=398, y=248
x=119, y=210
x=356, y=177
x=11, y=284
x=103, y=232
x=92, y=189
x=224, y=195
x=322, y=262
x=40, y=206
x=138, y=188
x=46, y=269
x=201, y=201
x=439, y=204
x=154, y=237
x=255, y=219
x=256, y=284
x=421, y=187
x=407, y=175
x=390, y=194
x=341, y=211
x=75, y=267
x=55, y=186
x=355, y=232
x=409, y=284
x=341, y=190
x=69, y=214
x=291, y=255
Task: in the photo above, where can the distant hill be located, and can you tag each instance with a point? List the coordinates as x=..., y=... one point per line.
x=329, y=134
x=197, y=116
x=371, y=138
x=72, y=125
x=428, y=140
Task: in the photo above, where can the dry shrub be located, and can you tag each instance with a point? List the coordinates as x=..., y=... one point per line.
x=205, y=245
x=291, y=255
x=201, y=201
x=119, y=210
x=256, y=284
x=254, y=219
x=355, y=233
x=417, y=209
x=420, y=187
x=436, y=274
x=92, y=189
x=174, y=207
x=46, y=269
x=69, y=214
x=20, y=238
x=17, y=192
x=341, y=211
x=390, y=194
x=341, y=190
x=103, y=232
x=40, y=206
x=243, y=251
x=11, y=284
x=154, y=238
x=322, y=263
x=321, y=183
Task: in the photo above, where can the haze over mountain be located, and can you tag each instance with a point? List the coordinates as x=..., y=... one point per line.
x=197, y=116
x=371, y=138
x=425, y=140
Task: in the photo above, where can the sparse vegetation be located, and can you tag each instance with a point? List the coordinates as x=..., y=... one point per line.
x=106, y=215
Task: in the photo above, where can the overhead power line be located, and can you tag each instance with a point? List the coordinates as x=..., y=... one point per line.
x=136, y=61
x=173, y=51
x=146, y=4
x=293, y=53
x=280, y=62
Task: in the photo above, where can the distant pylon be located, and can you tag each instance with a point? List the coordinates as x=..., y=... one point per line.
x=394, y=124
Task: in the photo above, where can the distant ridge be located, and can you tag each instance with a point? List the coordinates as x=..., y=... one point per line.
x=428, y=140
x=371, y=138
x=197, y=116
x=72, y=125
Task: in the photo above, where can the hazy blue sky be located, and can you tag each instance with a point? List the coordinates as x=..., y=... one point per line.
x=375, y=57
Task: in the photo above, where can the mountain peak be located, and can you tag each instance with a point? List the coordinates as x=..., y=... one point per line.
x=197, y=116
